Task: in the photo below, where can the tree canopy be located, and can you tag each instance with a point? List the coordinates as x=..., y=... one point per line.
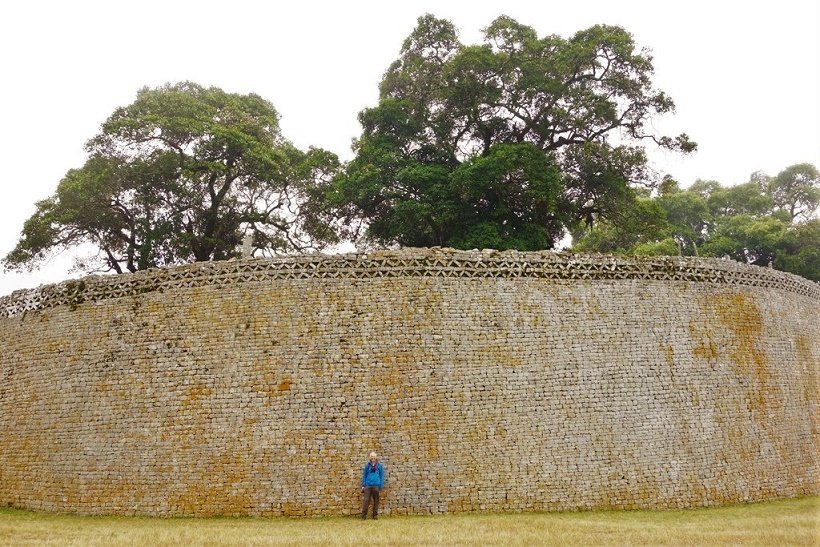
x=766, y=221
x=180, y=175
x=512, y=143
x=504, y=144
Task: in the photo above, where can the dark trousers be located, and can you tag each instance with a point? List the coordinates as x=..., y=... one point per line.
x=371, y=492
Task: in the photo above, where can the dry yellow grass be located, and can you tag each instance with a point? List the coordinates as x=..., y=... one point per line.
x=780, y=523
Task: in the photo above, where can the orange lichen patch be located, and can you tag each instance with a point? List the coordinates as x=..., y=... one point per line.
x=744, y=320
x=804, y=352
x=669, y=353
x=808, y=361
x=706, y=349
x=284, y=385
x=745, y=447
x=294, y=509
x=207, y=501
x=195, y=393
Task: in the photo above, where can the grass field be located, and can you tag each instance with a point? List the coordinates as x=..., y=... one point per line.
x=780, y=523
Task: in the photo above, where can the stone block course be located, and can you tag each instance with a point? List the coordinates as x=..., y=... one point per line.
x=487, y=381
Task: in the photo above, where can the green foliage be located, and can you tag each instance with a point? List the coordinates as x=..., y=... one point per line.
x=687, y=215
x=503, y=144
x=742, y=199
x=179, y=175
x=798, y=251
x=663, y=247
x=796, y=190
x=629, y=229
x=767, y=221
x=746, y=239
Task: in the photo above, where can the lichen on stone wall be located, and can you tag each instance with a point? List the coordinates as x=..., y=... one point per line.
x=487, y=381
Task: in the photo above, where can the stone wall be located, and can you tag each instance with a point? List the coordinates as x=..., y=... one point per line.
x=486, y=381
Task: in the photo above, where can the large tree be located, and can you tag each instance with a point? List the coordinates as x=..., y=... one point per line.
x=766, y=221
x=505, y=144
x=181, y=174
x=795, y=190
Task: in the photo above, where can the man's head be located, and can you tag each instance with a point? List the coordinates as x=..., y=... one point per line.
x=373, y=457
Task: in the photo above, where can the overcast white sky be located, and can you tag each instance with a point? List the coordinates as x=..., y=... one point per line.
x=744, y=75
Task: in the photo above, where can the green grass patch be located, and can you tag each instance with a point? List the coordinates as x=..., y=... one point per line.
x=780, y=523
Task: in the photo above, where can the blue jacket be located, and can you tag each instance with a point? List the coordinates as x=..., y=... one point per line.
x=373, y=478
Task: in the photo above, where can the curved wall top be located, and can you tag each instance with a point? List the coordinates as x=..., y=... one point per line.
x=433, y=262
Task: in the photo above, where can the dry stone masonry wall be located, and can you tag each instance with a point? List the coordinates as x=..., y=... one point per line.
x=487, y=381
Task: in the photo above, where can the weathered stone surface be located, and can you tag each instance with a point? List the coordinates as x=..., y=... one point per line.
x=487, y=382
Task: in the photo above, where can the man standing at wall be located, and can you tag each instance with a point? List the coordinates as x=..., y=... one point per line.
x=372, y=484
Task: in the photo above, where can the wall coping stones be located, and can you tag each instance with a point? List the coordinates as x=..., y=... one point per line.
x=407, y=262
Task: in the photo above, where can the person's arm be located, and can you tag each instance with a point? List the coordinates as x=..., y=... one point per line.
x=364, y=470
x=381, y=477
